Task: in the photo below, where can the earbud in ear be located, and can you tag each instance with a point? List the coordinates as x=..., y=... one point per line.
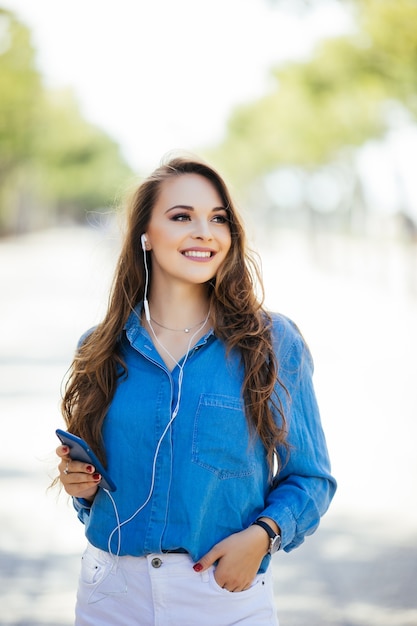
x=143, y=241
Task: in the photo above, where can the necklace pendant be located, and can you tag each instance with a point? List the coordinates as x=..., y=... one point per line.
x=181, y=330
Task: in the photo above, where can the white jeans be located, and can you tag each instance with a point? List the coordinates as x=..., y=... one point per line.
x=164, y=590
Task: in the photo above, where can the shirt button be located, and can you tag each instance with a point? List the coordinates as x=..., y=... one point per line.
x=156, y=562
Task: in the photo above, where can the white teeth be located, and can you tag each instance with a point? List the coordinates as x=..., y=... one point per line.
x=200, y=255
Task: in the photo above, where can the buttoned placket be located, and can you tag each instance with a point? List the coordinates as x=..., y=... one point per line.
x=164, y=462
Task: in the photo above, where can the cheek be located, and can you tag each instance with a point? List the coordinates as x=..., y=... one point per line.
x=228, y=243
x=161, y=238
x=226, y=239
x=226, y=252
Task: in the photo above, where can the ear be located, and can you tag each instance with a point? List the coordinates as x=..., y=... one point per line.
x=144, y=242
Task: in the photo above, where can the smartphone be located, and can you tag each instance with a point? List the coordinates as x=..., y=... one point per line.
x=81, y=451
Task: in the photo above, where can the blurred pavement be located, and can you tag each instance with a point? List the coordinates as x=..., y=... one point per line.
x=359, y=318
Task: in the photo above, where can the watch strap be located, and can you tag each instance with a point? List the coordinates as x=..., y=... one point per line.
x=274, y=538
x=266, y=528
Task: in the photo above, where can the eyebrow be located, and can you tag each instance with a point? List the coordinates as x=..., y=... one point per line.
x=191, y=208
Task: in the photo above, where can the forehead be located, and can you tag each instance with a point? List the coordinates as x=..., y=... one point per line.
x=189, y=190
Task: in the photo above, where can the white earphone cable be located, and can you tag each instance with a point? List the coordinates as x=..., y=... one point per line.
x=174, y=414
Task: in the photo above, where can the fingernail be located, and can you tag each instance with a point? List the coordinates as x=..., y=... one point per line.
x=89, y=468
x=65, y=449
x=197, y=567
x=96, y=476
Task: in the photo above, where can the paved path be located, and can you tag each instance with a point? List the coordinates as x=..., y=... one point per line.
x=360, y=569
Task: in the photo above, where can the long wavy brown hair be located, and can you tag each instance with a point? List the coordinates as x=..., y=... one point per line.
x=239, y=319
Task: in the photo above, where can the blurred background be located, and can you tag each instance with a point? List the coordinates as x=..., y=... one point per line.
x=309, y=110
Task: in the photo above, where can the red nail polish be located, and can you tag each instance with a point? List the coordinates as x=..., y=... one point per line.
x=197, y=567
x=89, y=468
x=96, y=476
x=65, y=449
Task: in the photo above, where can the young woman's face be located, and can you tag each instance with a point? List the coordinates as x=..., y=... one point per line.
x=188, y=233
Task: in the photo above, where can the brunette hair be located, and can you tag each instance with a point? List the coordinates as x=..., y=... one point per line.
x=238, y=316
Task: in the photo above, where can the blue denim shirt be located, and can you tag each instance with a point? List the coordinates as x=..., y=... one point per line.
x=209, y=478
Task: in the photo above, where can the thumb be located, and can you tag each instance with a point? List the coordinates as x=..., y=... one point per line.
x=207, y=560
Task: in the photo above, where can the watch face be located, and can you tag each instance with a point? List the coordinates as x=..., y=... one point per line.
x=275, y=544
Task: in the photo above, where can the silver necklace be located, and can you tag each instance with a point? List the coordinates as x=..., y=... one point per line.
x=182, y=330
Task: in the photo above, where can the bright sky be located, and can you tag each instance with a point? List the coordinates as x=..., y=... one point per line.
x=160, y=75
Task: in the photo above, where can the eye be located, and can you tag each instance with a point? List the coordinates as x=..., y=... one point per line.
x=180, y=217
x=220, y=219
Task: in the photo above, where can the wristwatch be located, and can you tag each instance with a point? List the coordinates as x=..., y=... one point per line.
x=274, y=538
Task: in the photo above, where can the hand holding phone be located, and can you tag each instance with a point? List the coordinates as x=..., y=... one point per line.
x=81, y=451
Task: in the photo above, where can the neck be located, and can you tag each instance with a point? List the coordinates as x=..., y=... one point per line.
x=178, y=310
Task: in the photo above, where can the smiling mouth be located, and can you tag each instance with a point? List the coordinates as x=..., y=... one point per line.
x=198, y=254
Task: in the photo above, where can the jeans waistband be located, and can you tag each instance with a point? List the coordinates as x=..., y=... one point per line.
x=176, y=551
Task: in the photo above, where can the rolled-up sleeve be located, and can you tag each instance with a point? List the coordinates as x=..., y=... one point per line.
x=304, y=487
x=83, y=508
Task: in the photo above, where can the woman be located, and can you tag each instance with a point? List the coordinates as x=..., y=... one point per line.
x=202, y=406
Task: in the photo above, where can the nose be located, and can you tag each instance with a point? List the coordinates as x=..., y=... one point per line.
x=202, y=230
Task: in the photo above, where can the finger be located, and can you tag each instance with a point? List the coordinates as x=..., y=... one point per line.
x=223, y=580
x=62, y=451
x=207, y=560
x=81, y=485
x=80, y=467
x=80, y=478
x=85, y=490
x=231, y=583
x=63, y=466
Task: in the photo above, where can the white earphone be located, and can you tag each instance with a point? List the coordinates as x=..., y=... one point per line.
x=143, y=241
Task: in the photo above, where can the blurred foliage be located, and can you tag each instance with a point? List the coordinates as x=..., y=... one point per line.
x=78, y=165
x=53, y=163
x=334, y=102
x=20, y=88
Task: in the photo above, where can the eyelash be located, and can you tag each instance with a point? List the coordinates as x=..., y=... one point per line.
x=182, y=217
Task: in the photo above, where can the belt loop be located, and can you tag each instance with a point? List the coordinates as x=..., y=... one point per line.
x=205, y=576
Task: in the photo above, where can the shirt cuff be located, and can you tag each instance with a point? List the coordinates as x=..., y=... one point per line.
x=81, y=503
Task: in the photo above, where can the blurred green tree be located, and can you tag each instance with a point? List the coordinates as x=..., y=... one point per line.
x=53, y=163
x=79, y=167
x=20, y=89
x=332, y=103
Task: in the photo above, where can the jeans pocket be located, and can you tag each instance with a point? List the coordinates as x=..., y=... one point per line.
x=100, y=578
x=252, y=590
x=93, y=568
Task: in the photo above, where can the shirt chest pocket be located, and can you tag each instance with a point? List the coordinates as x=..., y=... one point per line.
x=221, y=441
